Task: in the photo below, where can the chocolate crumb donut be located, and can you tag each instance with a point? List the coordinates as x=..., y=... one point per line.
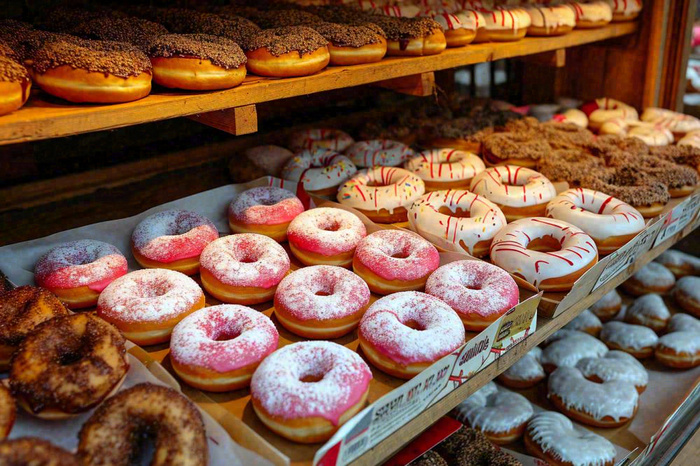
x=521, y=149
x=469, y=447
x=36, y=452
x=680, y=180
x=430, y=458
x=8, y=52
x=280, y=41
x=353, y=45
x=281, y=18
x=570, y=165
x=682, y=155
x=410, y=36
x=287, y=51
x=135, y=31
x=23, y=39
x=565, y=135
x=628, y=184
x=220, y=51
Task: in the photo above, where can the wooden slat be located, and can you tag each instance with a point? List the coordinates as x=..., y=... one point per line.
x=421, y=85
x=555, y=58
x=237, y=120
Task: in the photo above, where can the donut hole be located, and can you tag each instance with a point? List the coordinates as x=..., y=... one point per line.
x=457, y=213
x=402, y=253
x=312, y=378
x=377, y=184
x=544, y=244
x=66, y=358
x=143, y=444
x=248, y=258
x=472, y=286
x=226, y=334
x=331, y=225
x=415, y=325
x=154, y=289
x=267, y=202
x=322, y=293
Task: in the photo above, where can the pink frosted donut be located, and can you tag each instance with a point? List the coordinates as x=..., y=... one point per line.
x=219, y=347
x=325, y=236
x=172, y=239
x=406, y=332
x=322, y=301
x=479, y=292
x=306, y=391
x=266, y=210
x=382, y=152
x=78, y=271
x=312, y=139
x=395, y=260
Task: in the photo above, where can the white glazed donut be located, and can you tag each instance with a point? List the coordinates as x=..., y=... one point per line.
x=520, y=192
x=601, y=110
x=651, y=134
x=608, y=306
x=459, y=27
x=680, y=263
x=650, y=311
x=445, y=168
x=680, y=322
x=320, y=171
x=591, y=14
x=526, y=372
x=457, y=219
x=687, y=294
x=615, y=365
x=609, y=221
x=522, y=248
x=573, y=116
x=398, y=11
x=560, y=335
x=382, y=152
x=569, y=350
x=678, y=123
x=502, y=24
x=312, y=139
x=586, y=322
x=652, y=278
x=679, y=350
x=637, y=340
x=550, y=20
x=625, y=10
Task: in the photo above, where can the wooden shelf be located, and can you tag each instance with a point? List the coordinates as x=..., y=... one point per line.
x=44, y=117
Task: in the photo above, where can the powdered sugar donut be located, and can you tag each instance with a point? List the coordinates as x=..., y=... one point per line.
x=320, y=171
x=550, y=20
x=243, y=269
x=502, y=24
x=478, y=292
x=172, y=239
x=78, y=271
x=637, y=340
x=218, y=348
x=652, y=278
x=448, y=218
x=395, y=260
x=145, y=305
x=679, y=263
x=680, y=350
x=609, y=221
x=383, y=194
x=518, y=191
x=526, y=372
x=567, y=351
x=306, y=391
x=445, y=168
x=601, y=110
x=321, y=301
x=266, y=210
x=608, y=306
x=586, y=322
x=404, y=333
x=680, y=321
x=312, y=139
x=687, y=294
x=615, y=365
x=382, y=152
x=650, y=311
x=591, y=14
x=325, y=236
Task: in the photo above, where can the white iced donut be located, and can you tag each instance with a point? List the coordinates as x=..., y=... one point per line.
x=312, y=139
x=586, y=322
x=651, y=134
x=601, y=110
x=625, y=10
x=690, y=139
x=615, y=365
x=320, y=171
x=608, y=306
x=650, y=311
x=637, y=340
x=573, y=116
x=570, y=349
x=678, y=123
x=680, y=263
x=550, y=20
x=445, y=168
x=687, y=294
x=652, y=278
x=502, y=24
x=679, y=350
x=382, y=152
x=526, y=372
x=459, y=27
x=680, y=322
x=591, y=14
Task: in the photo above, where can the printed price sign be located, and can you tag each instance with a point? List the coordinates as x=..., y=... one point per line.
x=678, y=218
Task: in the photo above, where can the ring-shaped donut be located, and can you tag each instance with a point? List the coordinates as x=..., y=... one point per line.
x=320, y=171
x=312, y=139
x=32, y=450
x=649, y=133
x=266, y=210
x=384, y=152
x=601, y=110
x=445, y=168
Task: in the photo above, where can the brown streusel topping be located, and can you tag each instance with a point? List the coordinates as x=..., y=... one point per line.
x=403, y=28
x=279, y=41
x=134, y=31
x=629, y=185
x=515, y=146
x=220, y=51
x=342, y=35
x=11, y=71
x=7, y=52
x=570, y=165
x=282, y=18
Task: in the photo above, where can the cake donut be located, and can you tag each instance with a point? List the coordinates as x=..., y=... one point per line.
x=305, y=391
x=652, y=278
x=445, y=168
x=637, y=340
x=556, y=440
x=243, y=269
x=680, y=350
x=15, y=85
x=478, y=292
x=526, y=372
x=550, y=20
x=607, y=404
x=609, y=221
x=8, y=412
x=679, y=263
x=650, y=311
x=78, y=271
x=687, y=294
x=547, y=253
x=287, y=52
x=457, y=218
x=384, y=152
x=395, y=260
x=320, y=138
x=325, y=236
x=586, y=322
x=404, y=333
x=608, y=306
x=319, y=171
x=570, y=349
x=382, y=193
x=502, y=24
x=625, y=10
x=459, y=27
x=681, y=321
x=601, y=110
x=353, y=45
x=518, y=191
x=615, y=365
x=145, y=305
x=32, y=450
x=172, y=239
x=219, y=347
x=266, y=210
x=591, y=14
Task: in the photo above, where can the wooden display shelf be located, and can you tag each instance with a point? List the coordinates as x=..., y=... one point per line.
x=45, y=117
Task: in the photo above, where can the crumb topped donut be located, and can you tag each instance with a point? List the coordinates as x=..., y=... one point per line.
x=15, y=84
x=615, y=365
x=320, y=171
x=650, y=311
x=384, y=152
x=520, y=149
x=287, y=51
x=680, y=263
x=266, y=210
x=586, y=322
x=637, y=340
x=8, y=412
x=31, y=450
x=568, y=350
x=632, y=186
x=608, y=306
x=470, y=446
x=353, y=45
x=410, y=36
x=680, y=350
x=652, y=278
x=445, y=168
x=526, y=372
x=687, y=294
x=135, y=31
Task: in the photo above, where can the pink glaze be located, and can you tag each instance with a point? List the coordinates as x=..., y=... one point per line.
x=297, y=293
x=247, y=259
x=246, y=338
x=384, y=327
x=326, y=231
x=278, y=388
x=266, y=205
x=397, y=255
x=80, y=263
x=474, y=287
x=173, y=235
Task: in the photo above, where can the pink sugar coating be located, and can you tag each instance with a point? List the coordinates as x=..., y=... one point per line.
x=148, y=295
x=277, y=383
x=418, y=257
x=655, y=274
x=246, y=259
x=173, y=235
x=80, y=263
x=297, y=293
x=384, y=326
x=251, y=337
x=470, y=286
x=265, y=205
x=326, y=230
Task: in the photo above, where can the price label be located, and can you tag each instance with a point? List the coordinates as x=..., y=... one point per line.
x=678, y=218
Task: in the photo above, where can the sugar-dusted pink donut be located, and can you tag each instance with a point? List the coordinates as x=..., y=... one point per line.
x=406, y=332
x=219, y=347
x=445, y=168
x=266, y=210
x=382, y=152
x=311, y=139
x=319, y=171
x=309, y=412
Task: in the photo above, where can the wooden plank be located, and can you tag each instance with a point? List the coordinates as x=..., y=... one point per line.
x=237, y=120
x=420, y=85
x=555, y=58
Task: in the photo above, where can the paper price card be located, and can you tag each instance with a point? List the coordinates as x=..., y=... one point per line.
x=678, y=218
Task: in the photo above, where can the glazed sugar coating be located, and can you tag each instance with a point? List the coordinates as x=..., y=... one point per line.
x=500, y=411
x=397, y=255
x=615, y=365
x=585, y=320
x=570, y=349
x=683, y=322
x=686, y=341
x=688, y=286
x=265, y=206
x=326, y=230
x=655, y=274
x=628, y=335
x=649, y=306
x=528, y=367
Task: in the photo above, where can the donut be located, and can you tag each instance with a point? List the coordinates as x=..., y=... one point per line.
x=266, y=210
x=219, y=347
x=499, y=414
x=550, y=20
x=266, y=18
x=172, y=239
x=430, y=458
x=321, y=301
x=687, y=294
x=573, y=116
x=403, y=333
x=8, y=412
x=556, y=440
x=145, y=305
x=398, y=11
x=68, y=365
x=570, y=349
x=468, y=447
x=313, y=139
x=679, y=350
x=382, y=193
x=459, y=27
x=591, y=14
x=410, y=36
x=547, y=253
x=652, y=278
x=115, y=27
x=111, y=435
x=650, y=311
x=259, y=161
x=502, y=23
x=681, y=321
x=320, y=171
x=609, y=221
x=606, y=404
x=678, y=123
x=691, y=139
x=586, y=322
x=35, y=451
x=631, y=185
x=637, y=340
x=243, y=269
x=649, y=133
x=305, y=391
x=21, y=310
x=445, y=168
x=325, y=236
x=477, y=291
x=679, y=263
x=287, y=51
x=15, y=85
x=615, y=365
x=608, y=306
x=353, y=45
x=560, y=335
x=382, y=152
x=526, y=372
x=521, y=149
x=601, y=110
x=679, y=180
x=395, y=260
x=457, y=218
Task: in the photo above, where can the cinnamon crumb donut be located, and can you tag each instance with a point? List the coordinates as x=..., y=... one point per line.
x=287, y=51
x=410, y=36
x=36, y=452
x=521, y=149
x=353, y=45
x=15, y=85
x=8, y=412
x=570, y=165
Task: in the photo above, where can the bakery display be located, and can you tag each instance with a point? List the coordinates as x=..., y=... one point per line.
x=615, y=365
x=383, y=152
x=526, y=372
x=586, y=322
x=319, y=171
x=442, y=169
x=637, y=340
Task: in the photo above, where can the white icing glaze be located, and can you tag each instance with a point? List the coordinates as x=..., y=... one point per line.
x=318, y=169
x=551, y=17
x=689, y=287
x=470, y=19
x=647, y=307
x=382, y=152
x=655, y=274
x=393, y=188
x=398, y=11
x=610, y=299
x=609, y=109
x=567, y=351
x=312, y=139
x=675, y=258
x=625, y=7
x=593, y=11
x=495, y=411
x=683, y=322
x=501, y=18
x=674, y=121
x=527, y=368
x=445, y=165
x=585, y=320
x=573, y=116
x=651, y=135
x=513, y=186
x=615, y=365
x=682, y=342
x=560, y=335
x=631, y=336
